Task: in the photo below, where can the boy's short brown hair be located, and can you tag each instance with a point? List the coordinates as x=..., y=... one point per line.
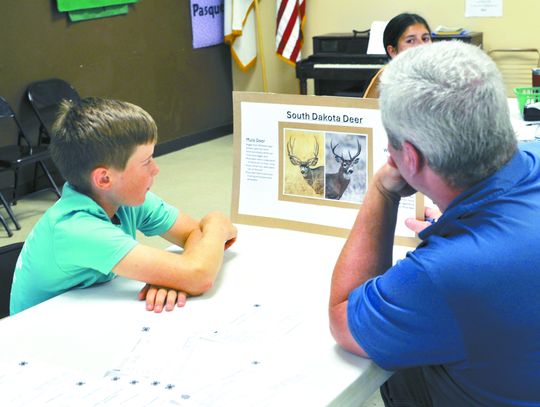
x=95, y=132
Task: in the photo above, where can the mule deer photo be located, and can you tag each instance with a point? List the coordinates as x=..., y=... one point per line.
x=337, y=183
x=313, y=176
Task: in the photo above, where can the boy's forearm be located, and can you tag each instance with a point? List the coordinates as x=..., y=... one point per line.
x=204, y=250
x=193, y=238
x=193, y=271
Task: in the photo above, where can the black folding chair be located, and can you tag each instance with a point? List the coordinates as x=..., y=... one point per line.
x=8, y=259
x=3, y=220
x=17, y=152
x=45, y=97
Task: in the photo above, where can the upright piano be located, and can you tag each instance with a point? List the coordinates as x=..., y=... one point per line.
x=340, y=65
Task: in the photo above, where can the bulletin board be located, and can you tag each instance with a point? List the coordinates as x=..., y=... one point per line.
x=305, y=163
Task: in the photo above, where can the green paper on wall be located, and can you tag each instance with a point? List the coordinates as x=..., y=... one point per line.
x=72, y=5
x=99, y=12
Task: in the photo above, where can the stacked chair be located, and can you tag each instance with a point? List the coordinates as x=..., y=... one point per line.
x=45, y=97
x=17, y=152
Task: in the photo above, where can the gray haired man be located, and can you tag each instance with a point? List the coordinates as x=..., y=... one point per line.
x=458, y=319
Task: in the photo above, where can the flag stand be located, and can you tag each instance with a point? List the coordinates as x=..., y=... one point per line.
x=260, y=46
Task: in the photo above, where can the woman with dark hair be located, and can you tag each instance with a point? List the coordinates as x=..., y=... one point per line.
x=404, y=31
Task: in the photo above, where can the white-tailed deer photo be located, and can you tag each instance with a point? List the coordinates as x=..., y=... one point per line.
x=346, y=175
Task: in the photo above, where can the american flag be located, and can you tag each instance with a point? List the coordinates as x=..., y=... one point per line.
x=290, y=20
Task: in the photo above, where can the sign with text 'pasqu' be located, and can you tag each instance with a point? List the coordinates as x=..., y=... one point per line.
x=207, y=22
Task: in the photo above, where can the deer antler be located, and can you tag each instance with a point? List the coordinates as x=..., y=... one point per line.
x=316, y=150
x=334, y=149
x=358, y=152
x=290, y=147
x=290, y=150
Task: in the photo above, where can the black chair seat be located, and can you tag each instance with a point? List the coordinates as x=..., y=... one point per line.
x=18, y=156
x=16, y=153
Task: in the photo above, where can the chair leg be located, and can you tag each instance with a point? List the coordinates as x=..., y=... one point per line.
x=4, y=223
x=15, y=185
x=2, y=219
x=10, y=213
x=49, y=176
x=34, y=181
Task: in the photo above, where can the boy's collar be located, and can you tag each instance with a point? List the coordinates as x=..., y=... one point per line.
x=115, y=220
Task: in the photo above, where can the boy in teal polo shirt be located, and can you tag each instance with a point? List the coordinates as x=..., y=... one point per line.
x=104, y=149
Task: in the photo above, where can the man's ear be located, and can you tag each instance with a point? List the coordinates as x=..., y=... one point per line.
x=101, y=178
x=414, y=159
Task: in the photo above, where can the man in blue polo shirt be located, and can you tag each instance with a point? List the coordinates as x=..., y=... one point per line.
x=458, y=319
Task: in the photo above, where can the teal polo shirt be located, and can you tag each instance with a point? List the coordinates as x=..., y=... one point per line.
x=76, y=245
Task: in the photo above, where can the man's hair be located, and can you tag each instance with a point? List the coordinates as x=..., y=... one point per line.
x=95, y=132
x=449, y=101
x=398, y=25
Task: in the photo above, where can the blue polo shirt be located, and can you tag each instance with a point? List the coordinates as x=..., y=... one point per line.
x=465, y=304
x=75, y=245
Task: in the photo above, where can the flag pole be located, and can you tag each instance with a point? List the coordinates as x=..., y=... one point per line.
x=260, y=46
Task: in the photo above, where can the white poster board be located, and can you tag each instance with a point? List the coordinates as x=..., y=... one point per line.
x=305, y=162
